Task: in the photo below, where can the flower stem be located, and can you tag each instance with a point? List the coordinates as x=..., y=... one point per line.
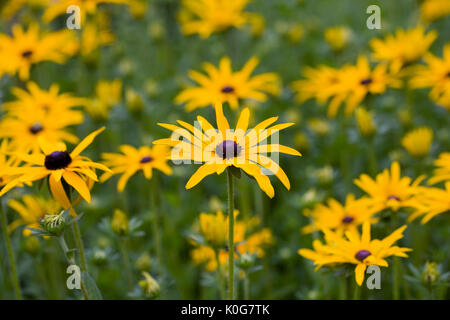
x=80, y=247
x=156, y=236
x=342, y=287
x=230, y=234
x=246, y=287
x=219, y=275
x=356, y=291
x=126, y=263
x=12, y=262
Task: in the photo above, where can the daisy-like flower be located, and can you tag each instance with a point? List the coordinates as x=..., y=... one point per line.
x=214, y=230
x=338, y=217
x=433, y=201
x=25, y=48
x=431, y=10
x=418, y=141
x=31, y=209
x=221, y=148
x=390, y=190
x=107, y=95
x=337, y=37
x=58, y=165
x=6, y=162
x=435, y=75
x=402, y=48
x=209, y=16
x=355, y=249
x=95, y=34
x=223, y=85
x=131, y=160
x=442, y=172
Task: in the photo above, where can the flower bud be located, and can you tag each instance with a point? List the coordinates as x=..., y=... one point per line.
x=431, y=273
x=99, y=257
x=149, y=286
x=246, y=261
x=53, y=223
x=119, y=223
x=133, y=101
x=144, y=262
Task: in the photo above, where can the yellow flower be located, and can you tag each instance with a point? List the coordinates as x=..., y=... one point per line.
x=295, y=33
x=436, y=74
x=214, y=229
x=319, y=126
x=221, y=148
x=418, y=141
x=57, y=164
x=390, y=189
x=12, y=7
x=119, y=223
x=338, y=217
x=94, y=36
x=25, y=48
x=442, y=172
x=6, y=163
x=107, y=95
x=337, y=37
x=31, y=209
x=150, y=287
x=402, y=48
x=224, y=85
x=431, y=10
x=132, y=160
x=433, y=201
x=366, y=125
x=356, y=249
x=209, y=16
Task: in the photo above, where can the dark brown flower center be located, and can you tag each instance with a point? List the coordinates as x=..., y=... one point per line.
x=227, y=89
x=366, y=81
x=362, y=254
x=146, y=159
x=27, y=53
x=347, y=219
x=57, y=160
x=394, y=198
x=228, y=149
x=448, y=74
x=36, y=128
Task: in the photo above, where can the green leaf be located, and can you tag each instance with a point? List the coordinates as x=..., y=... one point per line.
x=91, y=287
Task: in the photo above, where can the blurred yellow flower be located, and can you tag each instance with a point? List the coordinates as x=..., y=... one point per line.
x=31, y=209
x=221, y=148
x=319, y=126
x=13, y=6
x=355, y=249
x=366, y=124
x=431, y=10
x=390, y=190
x=402, y=48
x=223, y=85
x=418, y=141
x=337, y=37
x=25, y=48
x=295, y=33
x=149, y=286
x=94, y=35
x=119, y=223
x=131, y=160
x=442, y=172
x=107, y=95
x=209, y=16
x=436, y=74
x=433, y=201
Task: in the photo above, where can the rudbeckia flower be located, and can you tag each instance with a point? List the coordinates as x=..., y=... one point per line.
x=355, y=249
x=436, y=74
x=107, y=95
x=132, y=160
x=337, y=37
x=221, y=148
x=59, y=166
x=223, y=85
x=209, y=16
x=390, y=190
x=403, y=47
x=25, y=48
x=433, y=201
x=418, y=141
x=339, y=217
x=31, y=209
x=442, y=172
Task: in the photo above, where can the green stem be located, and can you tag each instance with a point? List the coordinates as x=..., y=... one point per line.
x=342, y=288
x=12, y=262
x=156, y=236
x=246, y=287
x=220, y=276
x=356, y=291
x=126, y=263
x=80, y=247
x=230, y=234
x=396, y=264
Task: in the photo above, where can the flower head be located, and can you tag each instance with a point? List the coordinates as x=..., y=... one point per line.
x=418, y=141
x=132, y=160
x=432, y=202
x=442, y=172
x=221, y=148
x=355, y=249
x=223, y=85
x=431, y=10
x=337, y=37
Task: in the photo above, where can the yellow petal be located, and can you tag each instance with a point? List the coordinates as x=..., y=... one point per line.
x=78, y=184
x=359, y=273
x=201, y=172
x=58, y=192
x=85, y=143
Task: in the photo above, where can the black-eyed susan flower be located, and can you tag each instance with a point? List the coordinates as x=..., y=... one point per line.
x=339, y=217
x=432, y=202
x=390, y=190
x=442, y=171
x=205, y=17
x=25, y=48
x=365, y=121
x=107, y=95
x=418, y=141
x=214, y=230
x=431, y=10
x=223, y=85
x=54, y=162
x=31, y=209
x=435, y=75
x=221, y=148
x=356, y=249
x=404, y=47
x=131, y=160
x=337, y=37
